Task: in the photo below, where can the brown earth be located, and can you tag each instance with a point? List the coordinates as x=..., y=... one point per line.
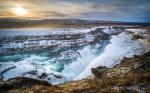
x=132, y=75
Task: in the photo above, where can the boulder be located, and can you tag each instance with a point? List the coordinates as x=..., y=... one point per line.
x=99, y=71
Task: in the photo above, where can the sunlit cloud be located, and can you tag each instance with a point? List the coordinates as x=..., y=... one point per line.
x=86, y=9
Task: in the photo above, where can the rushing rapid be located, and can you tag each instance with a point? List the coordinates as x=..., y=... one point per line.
x=59, y=55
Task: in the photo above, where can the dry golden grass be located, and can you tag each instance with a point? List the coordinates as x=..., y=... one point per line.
x=117, y=84
x=95, y=85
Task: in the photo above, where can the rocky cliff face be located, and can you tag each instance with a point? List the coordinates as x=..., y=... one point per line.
x=29, y=41
x=136, y=64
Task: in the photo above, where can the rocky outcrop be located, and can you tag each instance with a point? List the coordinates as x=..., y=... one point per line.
x=137, y=63
x=99, y=71
x=20, y=82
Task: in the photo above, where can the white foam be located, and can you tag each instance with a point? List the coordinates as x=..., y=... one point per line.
x=111, y=30
x=75, y=68
x=20, y=68
x=121, y=46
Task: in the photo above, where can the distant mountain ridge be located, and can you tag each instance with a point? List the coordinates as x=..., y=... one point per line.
x=19, y=23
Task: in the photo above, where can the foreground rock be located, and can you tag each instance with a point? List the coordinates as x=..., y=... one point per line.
x=20, y=83
x=136, y=64
x=132, y=75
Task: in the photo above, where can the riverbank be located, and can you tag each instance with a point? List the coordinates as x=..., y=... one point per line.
x=130, y=75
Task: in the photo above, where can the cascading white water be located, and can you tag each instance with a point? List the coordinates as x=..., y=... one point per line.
x=121, y=46
x=73, y=63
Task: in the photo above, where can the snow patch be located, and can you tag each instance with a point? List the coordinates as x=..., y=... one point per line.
x=111, y=30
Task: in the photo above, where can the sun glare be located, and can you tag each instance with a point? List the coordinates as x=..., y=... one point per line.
x=19, y=11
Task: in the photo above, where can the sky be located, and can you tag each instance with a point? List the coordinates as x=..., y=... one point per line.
x=109, y=10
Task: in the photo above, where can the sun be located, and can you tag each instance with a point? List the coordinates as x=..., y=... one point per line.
x=19, y=11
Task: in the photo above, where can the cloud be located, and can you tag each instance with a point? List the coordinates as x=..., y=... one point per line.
x=64, y=9
x=89, y=9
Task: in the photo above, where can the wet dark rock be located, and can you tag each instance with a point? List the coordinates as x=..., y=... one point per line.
x=58, y=76
x=21, y=82
x=43, y=75
x=34, y=72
